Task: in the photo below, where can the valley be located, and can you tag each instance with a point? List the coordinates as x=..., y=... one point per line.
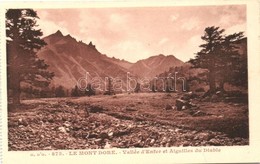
x=124, y=121
x=98, y=102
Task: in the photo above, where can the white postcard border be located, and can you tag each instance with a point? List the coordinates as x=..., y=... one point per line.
x=227, y=154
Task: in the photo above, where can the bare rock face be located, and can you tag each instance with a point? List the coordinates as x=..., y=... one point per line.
x=61, y=52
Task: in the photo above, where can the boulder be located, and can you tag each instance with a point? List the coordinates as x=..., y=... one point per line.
x=189, y=95
x=180, y=103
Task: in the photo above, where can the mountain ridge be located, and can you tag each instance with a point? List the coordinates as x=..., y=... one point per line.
x=155, y=65
x=70, y=59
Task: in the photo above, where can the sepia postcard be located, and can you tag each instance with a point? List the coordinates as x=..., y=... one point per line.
x=130, y=82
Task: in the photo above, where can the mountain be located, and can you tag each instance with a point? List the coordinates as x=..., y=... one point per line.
x=154, y=65
x=196, y=78
x=70, y=59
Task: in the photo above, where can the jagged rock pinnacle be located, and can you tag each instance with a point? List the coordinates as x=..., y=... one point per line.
x=91, y=45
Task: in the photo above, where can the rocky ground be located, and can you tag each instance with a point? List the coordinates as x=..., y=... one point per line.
x=124, y=121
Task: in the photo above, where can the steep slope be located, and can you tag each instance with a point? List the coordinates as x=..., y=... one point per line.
x=197, y=77
x=70, y=60
x=154, y=65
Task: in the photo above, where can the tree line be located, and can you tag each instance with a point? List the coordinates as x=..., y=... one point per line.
x=59, y=91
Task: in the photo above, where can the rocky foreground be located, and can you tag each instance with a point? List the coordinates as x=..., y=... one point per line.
x=66, y=125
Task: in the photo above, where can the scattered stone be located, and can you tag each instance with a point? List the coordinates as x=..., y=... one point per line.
x=177, y=130
x=192, y=105
x=219, y=93
x=199, y=113
x=214, y=142
x=70, y=129
x=107, y=146
x=103, y=135
x=67, y=124
x=186, y=144
x=22, y=122
x=110, y=134
x=98, y=141
x=47, y=148
x=93, y=135
x=203, y=136
x=152, y=141
x=188, y=96
x=62, y=129
x=185, y=102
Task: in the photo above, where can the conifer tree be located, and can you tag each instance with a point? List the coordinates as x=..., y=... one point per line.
x=219, y=56
x=23, y=42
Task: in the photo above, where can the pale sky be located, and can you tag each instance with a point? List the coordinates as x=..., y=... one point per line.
x=137, y=33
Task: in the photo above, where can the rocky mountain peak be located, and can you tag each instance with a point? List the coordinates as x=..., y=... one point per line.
x=69, y=59
x=58, y=33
